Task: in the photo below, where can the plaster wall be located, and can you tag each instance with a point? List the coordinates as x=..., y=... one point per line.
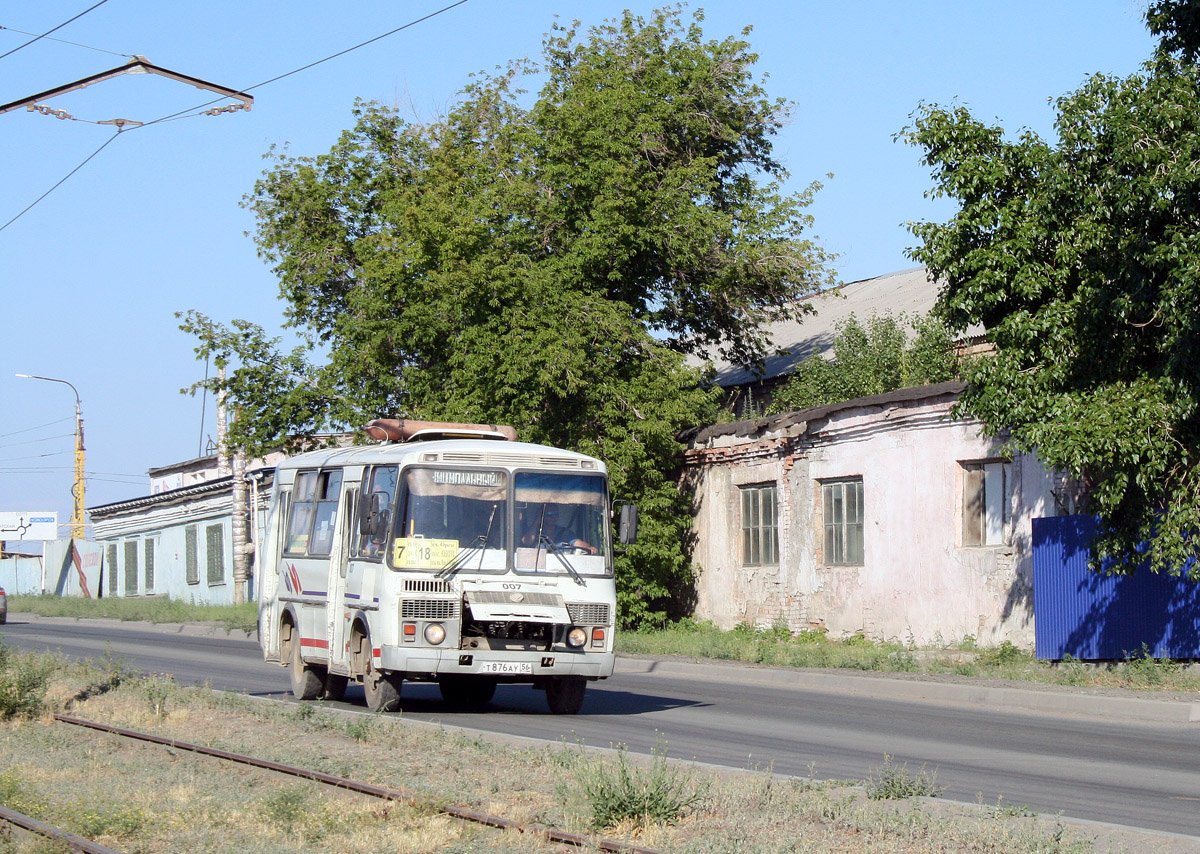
x=918, y=581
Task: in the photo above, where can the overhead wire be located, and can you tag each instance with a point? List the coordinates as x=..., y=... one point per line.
x=48, y=32
x=64, y=41
x=38, y=427
x=192, y=111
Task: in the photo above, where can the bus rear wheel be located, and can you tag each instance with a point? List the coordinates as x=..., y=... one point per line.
x=565, y=696
x=307, y=680
x=466, y=692
x=382, y=690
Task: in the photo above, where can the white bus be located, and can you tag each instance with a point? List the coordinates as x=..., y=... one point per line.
x=450, y=553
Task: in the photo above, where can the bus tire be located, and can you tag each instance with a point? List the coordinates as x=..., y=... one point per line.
x=382, y=690
x=334, y=688
x=307, y=681
x=466, y=692
x=565, y=696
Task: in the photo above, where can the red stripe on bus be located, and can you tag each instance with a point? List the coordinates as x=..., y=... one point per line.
x=319, y=644
x=375, y=652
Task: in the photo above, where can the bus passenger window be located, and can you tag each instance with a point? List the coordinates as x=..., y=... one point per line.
x=329, y=487
x=303, y=505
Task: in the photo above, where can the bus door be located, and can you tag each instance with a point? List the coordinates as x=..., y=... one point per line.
x=268, y=565
x=337, y=612
x=368, y=544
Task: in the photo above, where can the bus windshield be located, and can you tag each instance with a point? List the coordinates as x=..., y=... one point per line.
x=560, y=523
x=451, y=519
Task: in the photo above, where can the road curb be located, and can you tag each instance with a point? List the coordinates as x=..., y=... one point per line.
x=1048, y=700
x=1066, y=702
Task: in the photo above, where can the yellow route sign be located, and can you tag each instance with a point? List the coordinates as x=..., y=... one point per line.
x=421, y=553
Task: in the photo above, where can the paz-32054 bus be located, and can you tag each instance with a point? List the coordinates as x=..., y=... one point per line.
x=450, y=553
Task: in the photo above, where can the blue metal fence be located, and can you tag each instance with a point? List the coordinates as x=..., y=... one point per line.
x=1089, y=615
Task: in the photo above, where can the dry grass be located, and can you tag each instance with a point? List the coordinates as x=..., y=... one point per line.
x=138, y=797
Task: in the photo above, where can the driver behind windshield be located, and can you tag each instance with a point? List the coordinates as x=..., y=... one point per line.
x=556, y=525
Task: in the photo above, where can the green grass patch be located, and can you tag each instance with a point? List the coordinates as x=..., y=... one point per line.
x=967, y=658
x=148, y=609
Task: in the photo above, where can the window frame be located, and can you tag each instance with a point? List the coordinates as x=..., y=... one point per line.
x=759, y=536
x=843, y=537
x=980, y=480
x=214, y=558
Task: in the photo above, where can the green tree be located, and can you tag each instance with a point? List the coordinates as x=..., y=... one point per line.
x=546, y=265
x=871, y=359
x=1081, y=258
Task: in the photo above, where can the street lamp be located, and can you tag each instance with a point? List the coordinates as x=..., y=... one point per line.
x=77, y=490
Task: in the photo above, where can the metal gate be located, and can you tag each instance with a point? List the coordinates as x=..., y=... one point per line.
x=1090, y=615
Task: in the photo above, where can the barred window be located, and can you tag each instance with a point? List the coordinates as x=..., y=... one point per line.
x=191, y=560
x=760, y=525
x=148, y=564
x=842, y=505
x=131, y=567
x=110, y=560
x=214, y=541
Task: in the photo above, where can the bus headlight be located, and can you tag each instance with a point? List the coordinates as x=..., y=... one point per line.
x=576, y=638
x=435, y=634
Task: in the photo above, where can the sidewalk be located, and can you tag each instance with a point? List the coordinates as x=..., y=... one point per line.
x=1027, y=697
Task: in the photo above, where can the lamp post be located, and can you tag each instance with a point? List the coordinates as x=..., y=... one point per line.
x=77, y=490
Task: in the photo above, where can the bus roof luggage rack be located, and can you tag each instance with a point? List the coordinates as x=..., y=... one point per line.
x=405, y=430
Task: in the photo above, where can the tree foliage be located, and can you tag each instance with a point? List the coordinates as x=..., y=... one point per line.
x=1081, y=258
x=545, y=263
x=871, y=358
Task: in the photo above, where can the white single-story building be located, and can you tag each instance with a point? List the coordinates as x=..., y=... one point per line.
x=881, y=515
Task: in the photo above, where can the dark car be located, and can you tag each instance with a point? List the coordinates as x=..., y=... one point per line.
x=3, y=606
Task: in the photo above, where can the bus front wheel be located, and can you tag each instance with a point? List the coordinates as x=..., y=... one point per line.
x=382, y=690
x=565, y=696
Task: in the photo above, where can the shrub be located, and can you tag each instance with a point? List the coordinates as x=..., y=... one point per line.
x=893, y=782
x=24, y=678
x=622, y=792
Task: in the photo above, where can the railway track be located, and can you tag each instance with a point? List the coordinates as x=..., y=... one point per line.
x=81, y=844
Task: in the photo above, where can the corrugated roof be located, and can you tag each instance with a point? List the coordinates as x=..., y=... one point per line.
x=904, y=292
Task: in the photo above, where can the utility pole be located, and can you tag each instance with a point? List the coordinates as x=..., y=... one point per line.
x=239, y=523
x=77, y=512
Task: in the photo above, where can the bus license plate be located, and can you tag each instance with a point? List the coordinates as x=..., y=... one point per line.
x=505, y=667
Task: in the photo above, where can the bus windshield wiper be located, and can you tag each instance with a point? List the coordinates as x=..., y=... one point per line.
x=461, y=558
x=562, y=558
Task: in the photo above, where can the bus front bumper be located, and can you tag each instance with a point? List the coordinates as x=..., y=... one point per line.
x=507, y=667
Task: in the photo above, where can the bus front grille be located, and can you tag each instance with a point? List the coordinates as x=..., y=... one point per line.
x=588, y=613
x=429, y=609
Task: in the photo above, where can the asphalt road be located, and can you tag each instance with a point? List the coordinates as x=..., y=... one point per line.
x=1094, y=767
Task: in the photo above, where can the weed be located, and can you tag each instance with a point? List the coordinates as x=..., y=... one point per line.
x=156, y=688
x=620, y=792
x=1005, y=654
x=122, y=822
x=24, y=680
x=890, y=782
x=1142, y=668
x=360, y=728
x=286, y=807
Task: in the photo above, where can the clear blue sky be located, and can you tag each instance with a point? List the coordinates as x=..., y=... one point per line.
x=152, y=225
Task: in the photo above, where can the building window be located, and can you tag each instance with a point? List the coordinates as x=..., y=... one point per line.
x=986, y=505
x=842, y=505
x=214, y=547
x=111, y=560
x=191, y=560
x=131, y=567
x=148, y=564
x=760, y=525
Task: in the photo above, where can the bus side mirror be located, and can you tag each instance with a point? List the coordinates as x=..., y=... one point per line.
x=628, y=524
x=373, y=518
